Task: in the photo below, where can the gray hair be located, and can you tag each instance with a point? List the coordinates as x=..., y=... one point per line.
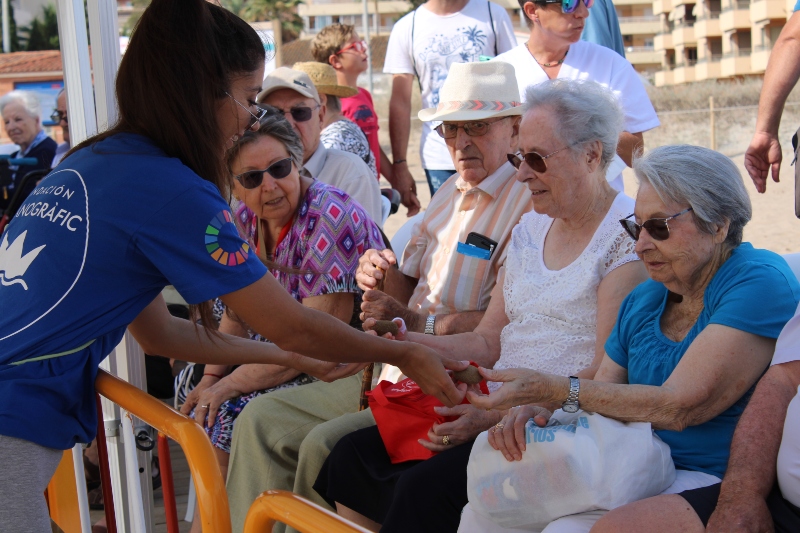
x=709, y=182
x=333, y=103
x=29, y=101
x=275, y=125
x=585, y=112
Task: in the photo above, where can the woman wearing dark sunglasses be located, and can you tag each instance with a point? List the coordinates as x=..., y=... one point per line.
x=688, y=344
x=138, y=207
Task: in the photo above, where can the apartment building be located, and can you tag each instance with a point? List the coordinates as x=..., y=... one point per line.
x=639, y=26
x=709, y=39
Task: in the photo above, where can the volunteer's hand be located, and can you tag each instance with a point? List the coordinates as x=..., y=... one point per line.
x=209, y=400
x=762, y=156
x=469, y=424
x=508, y=436
x=740, y=512
x=520, y=387
x=372, y=266
x=402, y=331
x=429, y=370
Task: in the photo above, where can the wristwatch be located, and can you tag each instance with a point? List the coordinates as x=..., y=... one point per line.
x=429, y=325
x=571, y=405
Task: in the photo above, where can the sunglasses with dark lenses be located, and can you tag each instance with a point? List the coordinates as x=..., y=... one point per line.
x=299, y=114
x=656, y=227
x=278, y=170
x=533, y=159
x=58, y=116
x=569, y=6
x=358, y=46
x=448, y=130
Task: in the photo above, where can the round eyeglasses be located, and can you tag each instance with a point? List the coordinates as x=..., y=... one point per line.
x=477, y=128
x=533, y=159
x=656, y=227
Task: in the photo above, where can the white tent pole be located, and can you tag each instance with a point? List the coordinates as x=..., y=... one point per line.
x=104, y=30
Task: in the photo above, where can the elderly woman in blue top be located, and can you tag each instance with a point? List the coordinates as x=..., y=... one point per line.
x=688, y=344
x=21, y=112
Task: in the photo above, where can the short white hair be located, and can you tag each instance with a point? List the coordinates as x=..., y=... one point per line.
x=28, y=100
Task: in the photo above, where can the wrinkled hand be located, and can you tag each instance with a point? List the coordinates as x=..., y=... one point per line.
x=381, y=306
x=429, y=370
x=207, y=402
x=520, y=387
x=469, y=424
x=372, y=266
x=402, y=331
x=763, y=154
x=741, y=512
x=324, y=370
x=404, y=182
x=194, y=395
x=508, y=436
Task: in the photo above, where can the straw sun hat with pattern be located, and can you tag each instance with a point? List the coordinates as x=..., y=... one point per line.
x=324, y=78
x=475, y=91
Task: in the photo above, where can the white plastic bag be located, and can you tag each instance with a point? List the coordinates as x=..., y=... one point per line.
x=579, y=462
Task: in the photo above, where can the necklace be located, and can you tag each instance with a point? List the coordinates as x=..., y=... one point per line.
x=546, y=65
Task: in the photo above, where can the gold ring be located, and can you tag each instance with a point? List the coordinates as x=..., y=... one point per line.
x=203, y=407
x=446, y=440
x=499, y=425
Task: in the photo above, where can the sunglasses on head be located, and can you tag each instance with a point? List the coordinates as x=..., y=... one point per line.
x=254, y=117
x=568, y=6
x=253, y=178
x=533, y=159
x=656, y=227
x=58, y=116
x=358, y=46
x=448, y=130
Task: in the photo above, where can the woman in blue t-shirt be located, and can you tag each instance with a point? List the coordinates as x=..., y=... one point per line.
x=688, y=344
x=134, y=209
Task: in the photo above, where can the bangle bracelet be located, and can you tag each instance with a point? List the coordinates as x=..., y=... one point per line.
x=398, y=161
x=214, y=375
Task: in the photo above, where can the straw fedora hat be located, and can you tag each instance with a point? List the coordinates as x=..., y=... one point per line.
x=474, y=91
x=324, y=78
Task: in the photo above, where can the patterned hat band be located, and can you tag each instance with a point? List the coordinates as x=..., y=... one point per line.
x=476, y=105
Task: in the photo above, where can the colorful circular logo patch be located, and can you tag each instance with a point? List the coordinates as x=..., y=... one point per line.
x=227, y=251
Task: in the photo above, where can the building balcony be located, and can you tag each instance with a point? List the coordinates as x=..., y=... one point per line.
x=708, y=69
x=663, y=41
x=664, y=77
x=642, y=55
x=736, y=63
x=662, y=6
x=736, y=17
x=708, y=27
x=640, y=25
x=759, y=58
x=762, y=10
x=683, y=35
x=683, y=73
x=349, y=7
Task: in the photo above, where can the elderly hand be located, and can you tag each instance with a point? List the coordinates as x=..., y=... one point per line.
x=402, y=331
x=521, y=386
x=763, y=154
x=194, y=395
x=508, y=436
x=429, y=370
x=372, y=266
x=206, y=402
x=469, y=424
x=381, y=306
x=741, y=512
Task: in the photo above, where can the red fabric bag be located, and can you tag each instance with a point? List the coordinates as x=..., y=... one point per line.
x=404, y=414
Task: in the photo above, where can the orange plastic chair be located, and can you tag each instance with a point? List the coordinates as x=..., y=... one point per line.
x=280, y=506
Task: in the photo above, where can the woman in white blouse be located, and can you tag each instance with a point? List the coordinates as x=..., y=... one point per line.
x=570, y=264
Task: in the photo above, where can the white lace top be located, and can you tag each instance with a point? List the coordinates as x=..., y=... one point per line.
x=553, y=313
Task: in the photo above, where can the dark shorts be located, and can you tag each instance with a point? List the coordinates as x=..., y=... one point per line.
x=785, y=515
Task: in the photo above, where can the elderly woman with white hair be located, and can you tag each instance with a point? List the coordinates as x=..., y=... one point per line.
x=569, y=266
x=688, y=345
x=21, y=112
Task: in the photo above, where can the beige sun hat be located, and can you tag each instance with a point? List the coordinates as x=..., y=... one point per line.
x=324, y=78
x=287, y=78
x=474, y=91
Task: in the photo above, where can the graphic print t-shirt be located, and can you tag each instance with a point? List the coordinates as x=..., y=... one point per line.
x=440, y=41
x=360, y=109
x=91, y=247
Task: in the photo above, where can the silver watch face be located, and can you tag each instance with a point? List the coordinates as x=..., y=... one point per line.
x=570, y=407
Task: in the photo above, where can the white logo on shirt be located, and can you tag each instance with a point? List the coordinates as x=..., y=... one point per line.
x=13, y=264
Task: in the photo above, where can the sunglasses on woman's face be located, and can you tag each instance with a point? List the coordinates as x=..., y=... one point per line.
x=358, y=46
x=533, y=159
x=253, y=178
x=656, y=227
x=569, y=6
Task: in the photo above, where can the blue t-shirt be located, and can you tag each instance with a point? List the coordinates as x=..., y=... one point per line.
x=602, y=27
x=797, y=6
x=753, y=291
x=90, y=248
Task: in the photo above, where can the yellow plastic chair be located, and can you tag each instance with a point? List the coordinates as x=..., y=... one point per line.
x=280, y=506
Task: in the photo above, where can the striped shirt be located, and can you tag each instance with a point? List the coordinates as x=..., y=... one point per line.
x=450, y=282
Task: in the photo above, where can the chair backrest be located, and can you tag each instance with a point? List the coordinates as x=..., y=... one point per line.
x=386, y=209
x=794, y=263
x=403, y=235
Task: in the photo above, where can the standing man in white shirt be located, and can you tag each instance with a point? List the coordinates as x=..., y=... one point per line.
x=555, y=50
x=424, y=44
x=293, y=93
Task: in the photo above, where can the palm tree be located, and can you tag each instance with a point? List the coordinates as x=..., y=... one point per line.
x=283, y=10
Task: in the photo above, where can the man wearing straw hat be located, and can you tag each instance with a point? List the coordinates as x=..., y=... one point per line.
x=443, y=287
x=338, y=131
